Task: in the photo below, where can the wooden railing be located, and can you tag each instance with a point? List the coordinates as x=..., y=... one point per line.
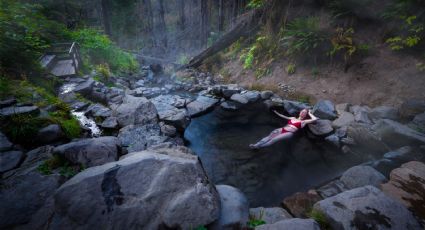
x=67, y=51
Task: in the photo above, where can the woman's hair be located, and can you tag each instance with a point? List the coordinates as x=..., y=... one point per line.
x=307, y=116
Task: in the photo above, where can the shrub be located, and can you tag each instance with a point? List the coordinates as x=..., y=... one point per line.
x=320, y=218
x=290, y=68
x=255, y=4
x=254, y=221
x=22, y=128
x=71, y=127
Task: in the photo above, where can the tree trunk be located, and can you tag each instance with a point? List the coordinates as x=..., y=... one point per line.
x=204, y=23
x=106, y=12
x=235, y=10
x=162, y=27
x=220, y=15
x=182, y=16
x=275, y=15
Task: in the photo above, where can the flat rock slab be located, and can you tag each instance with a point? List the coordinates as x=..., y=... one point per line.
x=321, y=127
x=140, y=191
x=366, y=208
x=139, y=137
x=134, y=111
x=5, y=144
x=19, y=110
x=201, y=105
x=170, y=110
x=10, y=160
x=292, y=224
x=362, y=175
x=407, y=185
x=398, y=135
x=269, y=215
x=344, y=119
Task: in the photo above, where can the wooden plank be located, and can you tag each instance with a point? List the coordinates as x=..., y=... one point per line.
x=63, y=68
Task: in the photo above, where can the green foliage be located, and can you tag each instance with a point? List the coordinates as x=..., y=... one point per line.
x=248, y=58
x=302, y=36
x=71, y=127
x=256, y=221
x=201, y=228
x=290, y=68
x=342, y=42
x=320, y=218
x=97, y=49
x=60, y=163
x=255, y=4
x=315, y=72
x=341, y=9
x=261, y=52
x=183, y=59
x=22, y=128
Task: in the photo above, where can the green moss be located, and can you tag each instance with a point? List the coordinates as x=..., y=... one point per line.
x=320, y=218
x=71, y=127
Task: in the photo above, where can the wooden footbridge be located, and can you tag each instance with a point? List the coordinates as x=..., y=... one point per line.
x=62, y=60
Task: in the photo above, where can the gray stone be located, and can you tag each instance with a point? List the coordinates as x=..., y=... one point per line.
x=91, y=152
x=333, y=139
x=7, y=102
x=384, y=112
x=359, y=176
x=341, y=108
x=37, y=155
x=293, y=108
x=166, y=105
x=398, y=135
x=362, y=117
x=419, y=122
x=365, y=208
x=140, y=191
x=266, y=94
x=79, y=105
x=168, y=130
x=50, y=134
x=292, y=224
x=98, y=110
x=239, y=98
x=321, y=127
x=201, y=105
x=135, y=110
x=19, y=110
x=325, y=109
x=269, y=215
x=410, y=108
x=5, y=144
x=110, y=123
x=344, y=119
x=332, y=188
x=400, y=154
x=10, y=160
x=234, y=210
x=23, y=193
x=85, y=88
x=366, y=142
x=230, y=106
x=139, y=137
x=227, y=93
x=300, y=203
x=252, y=96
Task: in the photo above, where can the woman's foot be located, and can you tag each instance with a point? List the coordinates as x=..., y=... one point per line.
x=252, y=146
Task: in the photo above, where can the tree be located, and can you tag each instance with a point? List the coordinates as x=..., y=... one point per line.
x=204, y=23
x=162, y=29
x=220, y=15
x=182, y=15
x=106, y=13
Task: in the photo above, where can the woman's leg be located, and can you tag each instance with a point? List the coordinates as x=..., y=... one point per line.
x=272, y=138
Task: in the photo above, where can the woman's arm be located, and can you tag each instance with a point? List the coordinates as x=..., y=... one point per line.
x=283, y=116
x=312, y=118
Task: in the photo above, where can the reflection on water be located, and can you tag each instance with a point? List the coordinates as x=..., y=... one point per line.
x=221, y=140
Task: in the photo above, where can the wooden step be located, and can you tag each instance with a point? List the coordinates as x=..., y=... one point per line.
x=63, y=68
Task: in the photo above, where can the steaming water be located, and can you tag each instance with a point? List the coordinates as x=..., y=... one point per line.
x=221, y=140
x=86, y=122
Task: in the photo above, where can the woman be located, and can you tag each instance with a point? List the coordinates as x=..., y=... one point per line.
x=294, y=124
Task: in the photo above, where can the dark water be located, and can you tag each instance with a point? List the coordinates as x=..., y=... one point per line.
x=221, y=140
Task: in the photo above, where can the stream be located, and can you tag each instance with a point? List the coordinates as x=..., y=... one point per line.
x=265, y=176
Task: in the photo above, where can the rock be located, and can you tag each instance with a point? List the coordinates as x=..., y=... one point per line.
x=362, y=117
x=79, y=105
x=266, y=95
x=293, y=224
x=252, y=96
x=239, y=98
x=366, y=143
x=91, y=152
x=269, y=215
x=397, y=135
x=410, y=108
x=168, y=130
x=325, y=109
x=344, y=119
x=301, y=203
x=234, y=208
x=230, y=106
x=384, y=112
x=418, y=122
x=50, y=134
x=230, y=90
x=19, y=110
x=140, y=191
x=5, y=144
x=400, y=154
x=23, y=193
x=321, y=127
x=359, y=176
x=365, y=208
x=341, y=108
x=110, y=123
x=407, y=185
x=139, y=137
x=169, y=113
x=134, y=111
x=332, y=188
x=7, y=102
x=85, y=88
x=334, y=140
x=37, y=155
x=201, y=105
x=293, y=108
x=10, y=160
x=98, y=110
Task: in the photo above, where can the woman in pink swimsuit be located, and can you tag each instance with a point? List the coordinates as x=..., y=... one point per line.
x=294, y=124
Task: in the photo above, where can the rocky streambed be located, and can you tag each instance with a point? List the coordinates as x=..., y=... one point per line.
x=172, y=153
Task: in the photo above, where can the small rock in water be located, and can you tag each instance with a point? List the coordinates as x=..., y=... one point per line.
x=325, y=109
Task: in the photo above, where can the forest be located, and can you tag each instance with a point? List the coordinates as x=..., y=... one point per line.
x=212, y=114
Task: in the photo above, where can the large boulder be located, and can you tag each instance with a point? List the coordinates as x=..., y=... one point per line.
x=91, y=151
x=407, y=185
x=384, y=112
x=141, y=191
x=410, y=108
x=366, y=142
x=325, y=109
x=332, y=188
x=140, y=137
x=10, y=160
x=5, y=144
x=293, y=108
x=301, y=203
x=365, y=208
x=321, y=127
x=135, y=110
x=418, y=123
x=23, y=192
x=362, y=175
x=239, y=98
x=344, y=119
x=292, y=224
x=269, y=215
x=201, y=105
x=50, y=134
x=85, y=88
x=234, y=210
x=170, y=110
x=19, y=110
x=398, y=135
